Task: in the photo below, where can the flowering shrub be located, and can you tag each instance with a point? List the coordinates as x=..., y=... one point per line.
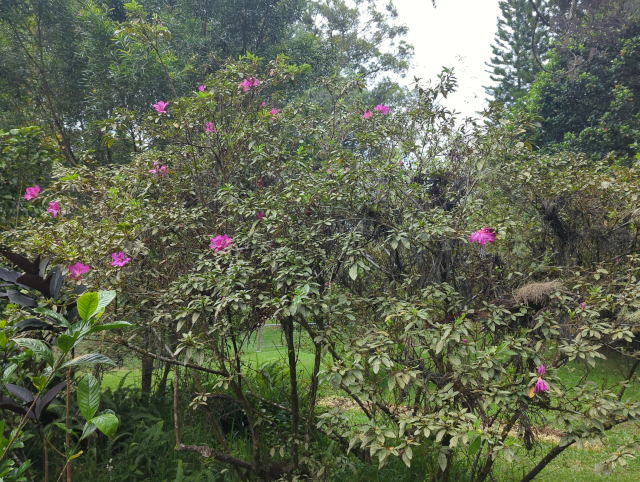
x=438, y=345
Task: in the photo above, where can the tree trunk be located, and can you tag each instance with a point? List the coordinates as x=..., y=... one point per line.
x=147, y=376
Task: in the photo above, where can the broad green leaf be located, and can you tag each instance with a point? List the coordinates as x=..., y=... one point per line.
x=89, y=396
x=39, y=382
x=89, y=428
x=66, y=342
x=87, y=305
x=38, y=347
x=52, y=314
x=104, y=298
x=88, y=359
x=107, y=423
x=353, y=271
x=442, y=460
x=109, y=326
x=475, y=445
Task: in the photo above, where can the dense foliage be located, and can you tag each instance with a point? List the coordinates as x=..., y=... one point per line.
x=438, y=276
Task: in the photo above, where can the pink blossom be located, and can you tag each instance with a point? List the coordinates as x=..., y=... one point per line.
x=408, y=109
x=201, y=88
x=260, y=215
x=263, y=104
x=54, y=208
x=484, y=236
x=119, y=259
x=465, y=341
x=163, y=170
x=153, y=171
x=210, y=127
x=541, y=370
x=329, y=171
x=346, y=169
x=274, y=111
x=249, y=82
x=583, y=305
x=77, y=270
x=160, y=107
x=220, y=242
x=541, y=386
x=382, y=108
x=367, y=114
x=400, y=162
x=32, y=192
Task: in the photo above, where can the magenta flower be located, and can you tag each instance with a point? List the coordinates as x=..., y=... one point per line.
x=160, y=107
x=260, y=215
x=484, y=236
x=54, y=208
x=263, y=104
x=163, y=170
x=400, y=162
x=247, y=83
x=153, y=171
x=541, y=370
x=210, y=127
x=367, y=114
x=201, y=88
x=77, y=270
x=382, y=108
x=274, y=111
x=329, y=171
x=119, y=259
x=583, y=305
x=32, y=192
x=541, y=386
x=220, y=242
x=346, y=169
x=465, y=341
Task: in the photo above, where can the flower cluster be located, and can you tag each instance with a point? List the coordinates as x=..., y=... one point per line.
x=274, y=111
x=54, y=208
x=157, y=169
x=246, y=84
x=32, y=192
x=201, y=88
x=210, y=127
x=367, y=114
x=541, y=385
x=382, y=108
x=260, y=215
x=220, y=242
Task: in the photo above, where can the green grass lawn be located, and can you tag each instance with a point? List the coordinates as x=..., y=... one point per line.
x=573, y=465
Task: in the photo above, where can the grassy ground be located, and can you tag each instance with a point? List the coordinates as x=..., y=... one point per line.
x=573, y=465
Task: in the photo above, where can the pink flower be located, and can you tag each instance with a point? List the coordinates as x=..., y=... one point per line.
x=77, y=270
x=274, y=111
x=408, y=109
x=400, y=162
x=160, y=107
x=54, y=208
x=263, y=104
x=329, y=171
x=484, y=236
x=220, y=242
x=367, y=114
x=32, y=192
x=583, y=305
x=382, y=108
x=465, y=341
x=541, y=386
x=210, y=127
x=260, y=215
x=201, y=88
x=119, y=259
x=153, y=171
x=246, y=84
x=346, y=169
x=163, y=170
x=541, y=370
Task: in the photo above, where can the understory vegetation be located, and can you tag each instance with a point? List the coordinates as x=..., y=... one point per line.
x=287, y=276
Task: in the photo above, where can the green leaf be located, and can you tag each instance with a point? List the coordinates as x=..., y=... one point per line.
x=104, y=298
x=353, y=271
x=52, y=314
x=109, y=326
x=475, y=445
x=39, y=382
x=66, y=342
x=37, y=347
x=87, y=305
x=89, y=396
x=107, y=423
x=89, y=358
x=442, y=460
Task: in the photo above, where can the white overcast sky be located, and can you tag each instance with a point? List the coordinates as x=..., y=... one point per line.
x=458, y=34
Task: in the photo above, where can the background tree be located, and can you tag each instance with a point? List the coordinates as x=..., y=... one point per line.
x=513, y=66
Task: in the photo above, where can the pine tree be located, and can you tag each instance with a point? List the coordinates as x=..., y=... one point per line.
x=513, y=66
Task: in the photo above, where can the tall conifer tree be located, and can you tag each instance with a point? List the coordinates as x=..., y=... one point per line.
x=513, y=66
